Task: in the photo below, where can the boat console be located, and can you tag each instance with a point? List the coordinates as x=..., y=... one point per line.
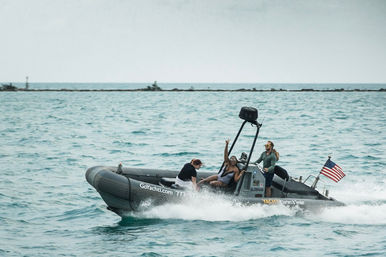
x=252, y=184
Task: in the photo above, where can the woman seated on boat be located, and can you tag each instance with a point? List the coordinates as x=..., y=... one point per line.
x=229, y=172
x=187, y=177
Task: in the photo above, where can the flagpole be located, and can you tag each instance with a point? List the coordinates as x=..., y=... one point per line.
x=318, y=177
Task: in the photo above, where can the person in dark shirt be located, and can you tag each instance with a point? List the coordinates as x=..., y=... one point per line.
x=187, y=178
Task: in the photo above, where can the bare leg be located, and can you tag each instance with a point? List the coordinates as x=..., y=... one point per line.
x=217, y=184
x=208, y=179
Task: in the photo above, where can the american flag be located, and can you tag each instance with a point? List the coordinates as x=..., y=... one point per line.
x=332, y=171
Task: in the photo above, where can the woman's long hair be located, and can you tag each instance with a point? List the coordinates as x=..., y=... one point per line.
x=274, y=151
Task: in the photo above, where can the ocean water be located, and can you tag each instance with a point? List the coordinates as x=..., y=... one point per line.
x=49, y=139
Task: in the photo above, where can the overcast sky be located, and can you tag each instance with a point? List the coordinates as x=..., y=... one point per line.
x=193, y=41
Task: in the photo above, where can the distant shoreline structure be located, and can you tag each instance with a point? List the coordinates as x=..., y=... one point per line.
x=155, y=88
x=194, y=90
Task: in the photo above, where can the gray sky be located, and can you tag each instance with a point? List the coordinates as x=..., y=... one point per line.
x=193, y=41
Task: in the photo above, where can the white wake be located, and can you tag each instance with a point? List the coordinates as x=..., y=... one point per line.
x=212, y=207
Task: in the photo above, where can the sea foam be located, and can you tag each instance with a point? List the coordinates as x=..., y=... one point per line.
x=355, y=214
x=212, y=207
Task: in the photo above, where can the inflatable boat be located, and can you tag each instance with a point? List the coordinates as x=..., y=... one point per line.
x=135, y=189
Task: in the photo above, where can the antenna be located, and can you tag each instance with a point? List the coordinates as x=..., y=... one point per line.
x=262, y=121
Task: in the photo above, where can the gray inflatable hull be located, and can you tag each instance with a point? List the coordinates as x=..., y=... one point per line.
x=137, y=189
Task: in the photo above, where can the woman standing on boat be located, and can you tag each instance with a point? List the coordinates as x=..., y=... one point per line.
x=187, y=177
x=228, y=172
x=269, y=158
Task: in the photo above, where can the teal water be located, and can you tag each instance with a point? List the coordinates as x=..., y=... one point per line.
x=49, y=139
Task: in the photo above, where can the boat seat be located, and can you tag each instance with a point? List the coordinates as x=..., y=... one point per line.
x=167, y=182
x=240, y=165
x=282, y=173
x=292, y=186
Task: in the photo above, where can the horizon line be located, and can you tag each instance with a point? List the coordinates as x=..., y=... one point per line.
x=270, y=83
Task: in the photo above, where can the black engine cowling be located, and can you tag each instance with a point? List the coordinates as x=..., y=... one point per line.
x=248, y=114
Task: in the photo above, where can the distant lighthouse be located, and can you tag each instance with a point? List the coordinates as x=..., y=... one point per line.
x=26, y=83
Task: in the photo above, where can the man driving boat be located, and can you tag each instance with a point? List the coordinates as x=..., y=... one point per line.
x=269, y=158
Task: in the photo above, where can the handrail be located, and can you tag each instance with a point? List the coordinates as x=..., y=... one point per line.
x=238, y=187
x=308, y=178
x=233, y=144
